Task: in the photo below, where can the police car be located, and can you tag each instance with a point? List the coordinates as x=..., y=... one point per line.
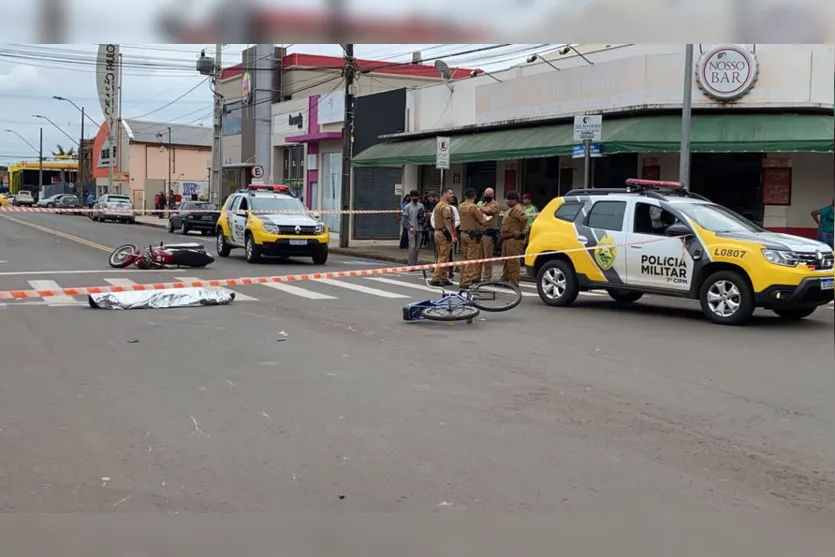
x=269, y=221
x=657, y=238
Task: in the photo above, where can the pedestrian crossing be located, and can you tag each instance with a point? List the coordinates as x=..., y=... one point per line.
x=402, y=287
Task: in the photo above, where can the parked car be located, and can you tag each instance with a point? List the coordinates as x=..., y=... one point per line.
x=5, y=199
x=51, y=201
x=113, y=207
x=24, y=198
x=69, y=205
x=194, y=215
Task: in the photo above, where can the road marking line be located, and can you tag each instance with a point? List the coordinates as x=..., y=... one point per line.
x=87, y=272
x=360, y=288
x=404, y=284
x=238, y=296
x=51, y=285
x=59, y=233
x=296, y=291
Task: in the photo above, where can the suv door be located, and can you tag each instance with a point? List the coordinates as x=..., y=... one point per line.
x=237, y=221
x=603, y=232
x=663, y=264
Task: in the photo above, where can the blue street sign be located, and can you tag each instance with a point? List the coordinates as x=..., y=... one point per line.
x=579, y=151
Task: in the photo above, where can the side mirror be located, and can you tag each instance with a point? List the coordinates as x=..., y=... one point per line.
x=317, y=216
x=678, y=229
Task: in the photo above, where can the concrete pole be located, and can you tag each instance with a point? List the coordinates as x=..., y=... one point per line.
x=216, y=183
x=264, y=67
x=686, y=110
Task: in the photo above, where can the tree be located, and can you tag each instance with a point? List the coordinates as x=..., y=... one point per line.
x=61, y=153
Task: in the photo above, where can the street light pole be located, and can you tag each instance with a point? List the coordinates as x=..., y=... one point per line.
x=686, y=110
x=40, y=164
x=23, y=139
x=57, y=127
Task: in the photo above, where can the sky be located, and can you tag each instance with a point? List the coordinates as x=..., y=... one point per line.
x=155, y=75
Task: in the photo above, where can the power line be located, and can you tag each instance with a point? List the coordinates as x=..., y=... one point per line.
x=163, y=107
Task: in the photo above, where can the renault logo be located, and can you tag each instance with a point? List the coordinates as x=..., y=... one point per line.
x=298, y=229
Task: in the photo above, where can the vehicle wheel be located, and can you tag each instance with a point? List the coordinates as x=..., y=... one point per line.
x=795, y=314
x=556, y=283
x=625, y=296
x=184, y=228
x=495, y=296
x=726, y=298
x=50, y=205
x=456, y=312
x=252, y=250
x=320, y=256
x=119, y=259
x=170, y=226
x=223, y=249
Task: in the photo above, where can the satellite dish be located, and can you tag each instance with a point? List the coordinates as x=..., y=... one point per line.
x=442, y=68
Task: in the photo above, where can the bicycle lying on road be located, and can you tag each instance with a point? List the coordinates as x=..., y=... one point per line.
x=465, y=305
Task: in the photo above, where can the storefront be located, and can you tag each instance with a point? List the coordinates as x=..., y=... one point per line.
x=762, y=127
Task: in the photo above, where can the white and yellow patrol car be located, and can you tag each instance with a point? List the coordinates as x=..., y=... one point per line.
x=269, y=221
x=657, y=238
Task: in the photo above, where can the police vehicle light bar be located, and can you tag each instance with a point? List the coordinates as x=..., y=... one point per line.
x=656, y=183
x=263, y=187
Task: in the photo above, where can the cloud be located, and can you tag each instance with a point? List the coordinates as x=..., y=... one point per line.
x=20, y=78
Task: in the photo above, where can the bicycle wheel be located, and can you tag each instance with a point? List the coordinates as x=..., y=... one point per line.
x=495, y=296
x=458, y=312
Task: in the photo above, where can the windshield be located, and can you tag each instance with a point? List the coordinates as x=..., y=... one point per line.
x=718, y=219
x=70, y=199
x=202, y=207
x=120, y=200
x=277, y=204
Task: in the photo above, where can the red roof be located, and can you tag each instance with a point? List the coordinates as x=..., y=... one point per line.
x=336, y=62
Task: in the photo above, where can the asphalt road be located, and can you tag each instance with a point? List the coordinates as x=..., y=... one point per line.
x=590, y=408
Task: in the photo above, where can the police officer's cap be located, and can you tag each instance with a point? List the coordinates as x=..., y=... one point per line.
x=512, y=195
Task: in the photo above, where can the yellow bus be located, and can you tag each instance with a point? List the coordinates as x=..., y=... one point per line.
x=24, y=175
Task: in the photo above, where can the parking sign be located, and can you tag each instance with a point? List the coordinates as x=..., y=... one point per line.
x=442, y=153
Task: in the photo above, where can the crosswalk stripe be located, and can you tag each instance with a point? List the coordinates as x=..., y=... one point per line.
x=119, y=282
x=238, y=296
x=52, y=285
x=296, y=291
x=360, y=288
x=405, y=284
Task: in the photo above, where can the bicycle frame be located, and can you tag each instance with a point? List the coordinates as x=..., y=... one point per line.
x=414, y=310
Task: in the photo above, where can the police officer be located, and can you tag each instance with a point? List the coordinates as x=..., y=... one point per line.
x=445, y=236
x=491, y=208
x=472, y=230
x=513, y=235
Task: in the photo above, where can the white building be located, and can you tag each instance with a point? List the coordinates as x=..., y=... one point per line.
x=762, y=128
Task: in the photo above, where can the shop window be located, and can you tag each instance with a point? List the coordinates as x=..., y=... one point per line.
x=232, y=120
x=607, y=215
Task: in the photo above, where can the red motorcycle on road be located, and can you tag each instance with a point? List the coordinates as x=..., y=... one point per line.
x=159, y=257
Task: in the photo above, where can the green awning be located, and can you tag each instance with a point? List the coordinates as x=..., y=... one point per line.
x=734, y=133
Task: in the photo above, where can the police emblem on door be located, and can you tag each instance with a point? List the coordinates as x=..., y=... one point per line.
x=298, y=229
x=605, y=253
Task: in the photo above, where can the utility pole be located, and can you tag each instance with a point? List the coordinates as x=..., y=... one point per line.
x=40, y=164
x=347, y=146
x=170, y=156
x=686, y=110
x=80, y=174
x=216, y=184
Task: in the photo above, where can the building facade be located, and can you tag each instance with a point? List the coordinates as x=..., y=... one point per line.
x=306, y=120
x=761, y=141
x=152, y=157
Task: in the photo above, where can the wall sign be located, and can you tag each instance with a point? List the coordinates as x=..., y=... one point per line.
x=246, y=88
x=297, y=120
x=727, y=72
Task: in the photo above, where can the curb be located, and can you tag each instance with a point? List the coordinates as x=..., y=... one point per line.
x=162, y=224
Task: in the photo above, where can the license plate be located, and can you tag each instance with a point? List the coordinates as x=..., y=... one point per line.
x=207, y=217
x=298, y=242
x=827, y=283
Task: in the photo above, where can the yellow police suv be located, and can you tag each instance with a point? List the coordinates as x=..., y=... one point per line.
x=656, y=238
x=269, y=221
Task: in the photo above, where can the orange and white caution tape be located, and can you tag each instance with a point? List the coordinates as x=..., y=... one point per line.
x=115, y=211
x=246, y=281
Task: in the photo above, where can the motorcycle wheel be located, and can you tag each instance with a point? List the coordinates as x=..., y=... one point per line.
x=121, y=256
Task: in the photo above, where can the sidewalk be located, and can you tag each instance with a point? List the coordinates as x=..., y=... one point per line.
x=391, y=254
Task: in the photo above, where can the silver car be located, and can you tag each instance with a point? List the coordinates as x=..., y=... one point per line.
x=113, y=207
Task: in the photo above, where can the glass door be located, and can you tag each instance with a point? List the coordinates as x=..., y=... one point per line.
x=331, y=188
